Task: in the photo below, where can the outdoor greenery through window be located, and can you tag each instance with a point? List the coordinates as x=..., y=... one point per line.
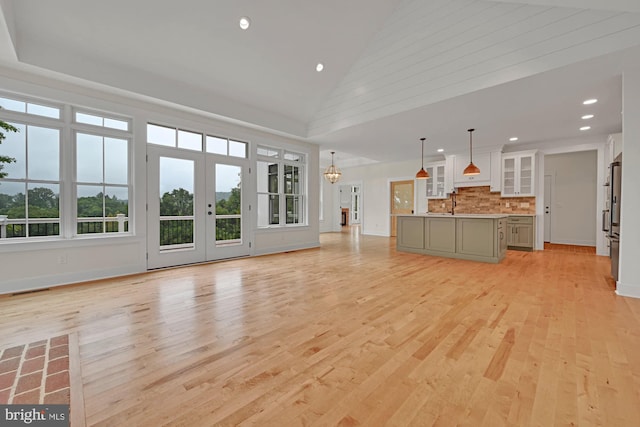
x=31, y=176
x=280, y=176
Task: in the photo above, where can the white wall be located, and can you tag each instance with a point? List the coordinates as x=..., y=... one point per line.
x=629, y=267
x=374, y=180
x=573, y=205
x=33, y=265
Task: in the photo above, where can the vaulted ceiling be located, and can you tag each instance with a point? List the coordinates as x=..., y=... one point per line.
x=395, y=70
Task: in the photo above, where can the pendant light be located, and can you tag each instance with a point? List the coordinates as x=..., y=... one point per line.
x=422, y=174
x=332, y=174
x=471, y=169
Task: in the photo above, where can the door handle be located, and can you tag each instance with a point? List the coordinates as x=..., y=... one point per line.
x=210, y=213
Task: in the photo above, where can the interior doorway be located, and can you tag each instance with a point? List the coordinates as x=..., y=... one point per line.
x=402, y=196
x=350, y=204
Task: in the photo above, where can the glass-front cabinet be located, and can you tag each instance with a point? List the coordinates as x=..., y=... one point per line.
x=435, y=184
x=518, y=174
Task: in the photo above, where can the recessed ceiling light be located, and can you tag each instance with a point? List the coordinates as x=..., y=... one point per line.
x=440, y=150
x=590, y=101
x=587, y=117
x=244, y=22
x=319, y=67
x=515, y=138
x=585, y=128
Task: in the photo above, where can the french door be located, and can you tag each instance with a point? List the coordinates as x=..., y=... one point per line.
x=197, y=210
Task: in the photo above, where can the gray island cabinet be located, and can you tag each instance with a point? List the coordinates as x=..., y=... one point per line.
x=465, y=236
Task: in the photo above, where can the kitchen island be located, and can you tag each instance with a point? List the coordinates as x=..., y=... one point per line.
x=473, y=237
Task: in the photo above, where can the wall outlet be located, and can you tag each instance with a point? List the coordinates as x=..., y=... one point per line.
x=508, y=205
x=443, y=205
x=62, y=259
x=524, y=204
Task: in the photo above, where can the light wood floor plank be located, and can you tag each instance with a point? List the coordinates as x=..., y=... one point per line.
x=351, y=334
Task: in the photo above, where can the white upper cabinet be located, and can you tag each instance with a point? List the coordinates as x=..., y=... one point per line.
x=482, y=161
x=518, y=174
x=436, y=184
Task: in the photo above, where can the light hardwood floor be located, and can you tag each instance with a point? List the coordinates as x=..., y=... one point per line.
x=350, y=334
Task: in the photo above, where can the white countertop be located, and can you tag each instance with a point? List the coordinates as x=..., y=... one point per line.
x=445, y=215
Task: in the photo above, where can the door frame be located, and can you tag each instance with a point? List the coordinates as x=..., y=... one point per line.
x=391, y=215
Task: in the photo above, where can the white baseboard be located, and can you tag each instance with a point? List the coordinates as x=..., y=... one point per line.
x=574, y=242
x=51, y=281
x=627, y=290
x=286, y=248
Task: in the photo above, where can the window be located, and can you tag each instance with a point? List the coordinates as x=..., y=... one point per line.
x=31, y=201
x=30, y=192
x=30, y=108
x=107, y=122
x=172, y=137
x=102, y=183
x=280, y=187
x=226, y=147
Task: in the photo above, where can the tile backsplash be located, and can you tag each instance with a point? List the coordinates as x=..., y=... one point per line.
x=479, y=200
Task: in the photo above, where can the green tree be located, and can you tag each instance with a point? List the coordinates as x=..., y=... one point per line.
x=43, y=203
x=114, y=206
x=5, y=159
x=178, y=202
x=90, y=206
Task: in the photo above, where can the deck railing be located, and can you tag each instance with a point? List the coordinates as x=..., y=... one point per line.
x=42, y=227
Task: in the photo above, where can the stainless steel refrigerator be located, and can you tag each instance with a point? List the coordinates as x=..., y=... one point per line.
x=611, y=216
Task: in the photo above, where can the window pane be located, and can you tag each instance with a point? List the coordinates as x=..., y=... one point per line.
x=268, y=210
x=88, y=119
x=15, y=147
x=268, y=152
x=161, y=135
x=294, y=209
x=228, y=203
x=43, y=110
x=116, y=124
x=116, y=201
x=228, y=195
x=176, y=186
x=43, y=145
x=89, y=158
x=11, y=105
x=176, y=199
x=12, y=199
x=190, y=140
x=90, y=201
x=216, y=145
x=291, y=179
x=43, y=200
x=267, y=177
x=237, y=149
x=116, y=161
x=296, y=157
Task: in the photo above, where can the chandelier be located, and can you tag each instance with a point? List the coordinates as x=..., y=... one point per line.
x=332, y=174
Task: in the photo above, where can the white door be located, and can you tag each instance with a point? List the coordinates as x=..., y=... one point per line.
x=547, y=208
x=196, y=210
